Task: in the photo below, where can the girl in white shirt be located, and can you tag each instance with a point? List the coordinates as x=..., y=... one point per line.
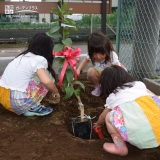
x=131, y=112
x=102, y=55
x=27, y=79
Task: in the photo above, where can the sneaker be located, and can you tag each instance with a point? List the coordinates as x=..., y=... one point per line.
x=39, y=111
x=97, y=91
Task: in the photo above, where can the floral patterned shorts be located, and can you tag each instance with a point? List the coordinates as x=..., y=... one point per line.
x=117, y=121
x=23, y=101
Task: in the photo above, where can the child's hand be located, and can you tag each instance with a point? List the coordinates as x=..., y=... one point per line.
x=95, y=125
x=52, y=98
x=56, y=98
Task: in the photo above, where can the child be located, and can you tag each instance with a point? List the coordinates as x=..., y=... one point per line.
x=27, y=79
x=131, y=113
x=102, y=55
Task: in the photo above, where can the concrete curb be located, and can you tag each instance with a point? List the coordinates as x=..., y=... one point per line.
x=153, y=85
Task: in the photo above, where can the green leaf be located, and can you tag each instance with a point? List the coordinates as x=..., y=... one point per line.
x=73, y=28
x=54, y=35
x=68, y=12
x=79, y=83
x=54, y=29
x=70, y=21
x=64, y=84
x=69, y=92
x=56, y=59
x=48, y=34
x=67, y=42
x=69, y=75
x=56, y=11
x=64, y=6
x=58, y=47
x=77, y=92
x=66, y=32
x=61, y=62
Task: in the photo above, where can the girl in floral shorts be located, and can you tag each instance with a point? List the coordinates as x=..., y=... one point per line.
x=131, y=112
x=27, y=79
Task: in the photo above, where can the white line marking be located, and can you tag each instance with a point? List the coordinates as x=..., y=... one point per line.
x=10, y=51
x=6, y=58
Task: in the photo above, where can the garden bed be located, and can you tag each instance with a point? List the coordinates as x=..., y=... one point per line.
x=8, y=41
x=51, y=138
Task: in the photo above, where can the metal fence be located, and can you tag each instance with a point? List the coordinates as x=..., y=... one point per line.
x=138, y=36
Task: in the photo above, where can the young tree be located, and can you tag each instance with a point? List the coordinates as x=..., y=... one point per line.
x=65, y=55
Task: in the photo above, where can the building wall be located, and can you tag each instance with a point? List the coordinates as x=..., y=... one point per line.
x=47, y=16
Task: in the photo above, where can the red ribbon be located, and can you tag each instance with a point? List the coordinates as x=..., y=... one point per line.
x=70, y=58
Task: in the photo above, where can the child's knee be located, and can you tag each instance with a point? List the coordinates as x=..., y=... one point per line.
x=92, y=72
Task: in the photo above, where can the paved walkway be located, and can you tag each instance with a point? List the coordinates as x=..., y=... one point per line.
x=7, y=54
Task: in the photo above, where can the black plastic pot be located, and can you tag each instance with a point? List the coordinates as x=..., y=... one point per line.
x=82, y=128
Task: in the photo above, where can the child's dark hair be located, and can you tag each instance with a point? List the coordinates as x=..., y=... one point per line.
x=42, y=45
x=99, y=43
x=113, y=77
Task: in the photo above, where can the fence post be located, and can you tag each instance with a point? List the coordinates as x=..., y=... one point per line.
x=91, y=18
x=146, y=33
x=60, y=3
x=103, y=15
x=118, y=26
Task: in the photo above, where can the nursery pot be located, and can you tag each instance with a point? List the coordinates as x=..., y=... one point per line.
x=82, y=127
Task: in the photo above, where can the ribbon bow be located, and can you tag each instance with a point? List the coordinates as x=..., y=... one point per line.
x=70, y=58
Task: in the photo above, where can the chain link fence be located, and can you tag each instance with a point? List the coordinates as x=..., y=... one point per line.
x=139, y=38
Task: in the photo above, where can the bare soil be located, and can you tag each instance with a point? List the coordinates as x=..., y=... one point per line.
x=51, y=137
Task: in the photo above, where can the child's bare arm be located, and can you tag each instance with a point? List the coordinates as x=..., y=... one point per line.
x=101, y=119
x=48, y=83
x=150, y=92
x=82, y=65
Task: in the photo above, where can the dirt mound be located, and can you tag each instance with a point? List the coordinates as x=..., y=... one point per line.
x=51, y=137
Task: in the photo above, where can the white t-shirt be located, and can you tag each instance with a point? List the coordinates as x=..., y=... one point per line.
x=127, y=94
x=18, y=73
x=114, y=59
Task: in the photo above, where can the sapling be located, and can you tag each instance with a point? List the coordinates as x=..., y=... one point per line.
x=62, y=31
x=65, y=55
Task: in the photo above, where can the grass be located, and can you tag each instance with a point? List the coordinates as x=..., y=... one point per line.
x=13, y=45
